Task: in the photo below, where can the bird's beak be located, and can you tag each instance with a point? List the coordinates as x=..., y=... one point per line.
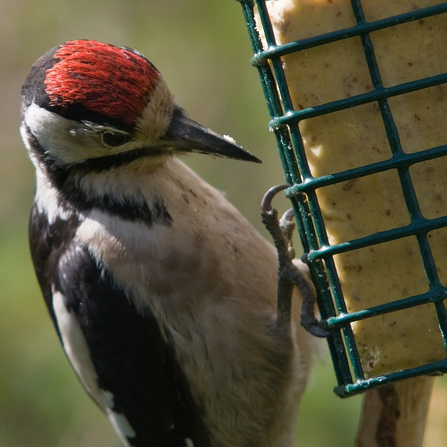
x=187, y=135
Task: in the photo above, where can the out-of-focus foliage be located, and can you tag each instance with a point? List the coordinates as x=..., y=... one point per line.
x=202, y=49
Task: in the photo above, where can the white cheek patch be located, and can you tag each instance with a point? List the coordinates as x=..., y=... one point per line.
x=71, y=141
x=78, y=352
x=60, y=137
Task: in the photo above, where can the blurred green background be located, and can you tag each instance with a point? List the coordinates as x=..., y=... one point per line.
x=202, y=49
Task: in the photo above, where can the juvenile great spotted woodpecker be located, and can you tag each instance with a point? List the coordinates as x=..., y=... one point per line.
x=162, y=294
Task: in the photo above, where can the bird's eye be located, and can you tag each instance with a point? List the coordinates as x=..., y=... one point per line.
x=114, y=139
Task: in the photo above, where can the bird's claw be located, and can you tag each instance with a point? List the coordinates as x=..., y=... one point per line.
x=288, y=216
x=309, y=321
x=281, y=231
x=287, y=226
x=316, y=330
x=266, y=204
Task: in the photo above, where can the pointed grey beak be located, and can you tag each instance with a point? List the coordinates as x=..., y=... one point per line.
x=189, y=136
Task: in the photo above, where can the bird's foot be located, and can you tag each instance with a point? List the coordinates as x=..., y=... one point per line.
x=289, y=275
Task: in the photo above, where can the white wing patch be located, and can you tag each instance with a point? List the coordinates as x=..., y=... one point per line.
x=76, y=348
x=189, y=442
x=119, y=422
x=78, y=352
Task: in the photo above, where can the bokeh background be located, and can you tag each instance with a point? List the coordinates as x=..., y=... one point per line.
x=202, y=49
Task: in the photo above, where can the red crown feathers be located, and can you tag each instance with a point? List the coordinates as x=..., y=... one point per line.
x=105, y=79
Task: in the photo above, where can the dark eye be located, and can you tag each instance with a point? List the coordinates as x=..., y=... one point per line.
x=115, y=139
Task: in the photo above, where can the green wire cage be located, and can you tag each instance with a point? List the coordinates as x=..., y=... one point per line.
x=318, y=252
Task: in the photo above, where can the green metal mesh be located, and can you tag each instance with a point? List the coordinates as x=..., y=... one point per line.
x=302, y=192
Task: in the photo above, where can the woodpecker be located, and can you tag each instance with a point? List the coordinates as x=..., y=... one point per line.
x=161, y=292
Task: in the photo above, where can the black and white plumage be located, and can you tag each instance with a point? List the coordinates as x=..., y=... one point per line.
x=163, y=295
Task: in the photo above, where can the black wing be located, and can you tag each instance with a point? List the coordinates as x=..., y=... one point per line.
x=131, y=359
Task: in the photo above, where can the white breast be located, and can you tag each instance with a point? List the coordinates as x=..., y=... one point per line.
x=211, y=282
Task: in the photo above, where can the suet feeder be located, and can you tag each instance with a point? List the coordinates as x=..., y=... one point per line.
x=319, y=253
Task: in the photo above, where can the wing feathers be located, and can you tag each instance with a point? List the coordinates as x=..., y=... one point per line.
x=138, y=382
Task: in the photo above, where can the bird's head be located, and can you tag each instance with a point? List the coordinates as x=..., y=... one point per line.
x=86, y=102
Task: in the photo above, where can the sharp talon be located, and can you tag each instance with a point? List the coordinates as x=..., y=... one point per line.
x=311, y=326
x=288, y=215
x=319, y=332
x=308, y=319
x=266, y=204
x=289, y=274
